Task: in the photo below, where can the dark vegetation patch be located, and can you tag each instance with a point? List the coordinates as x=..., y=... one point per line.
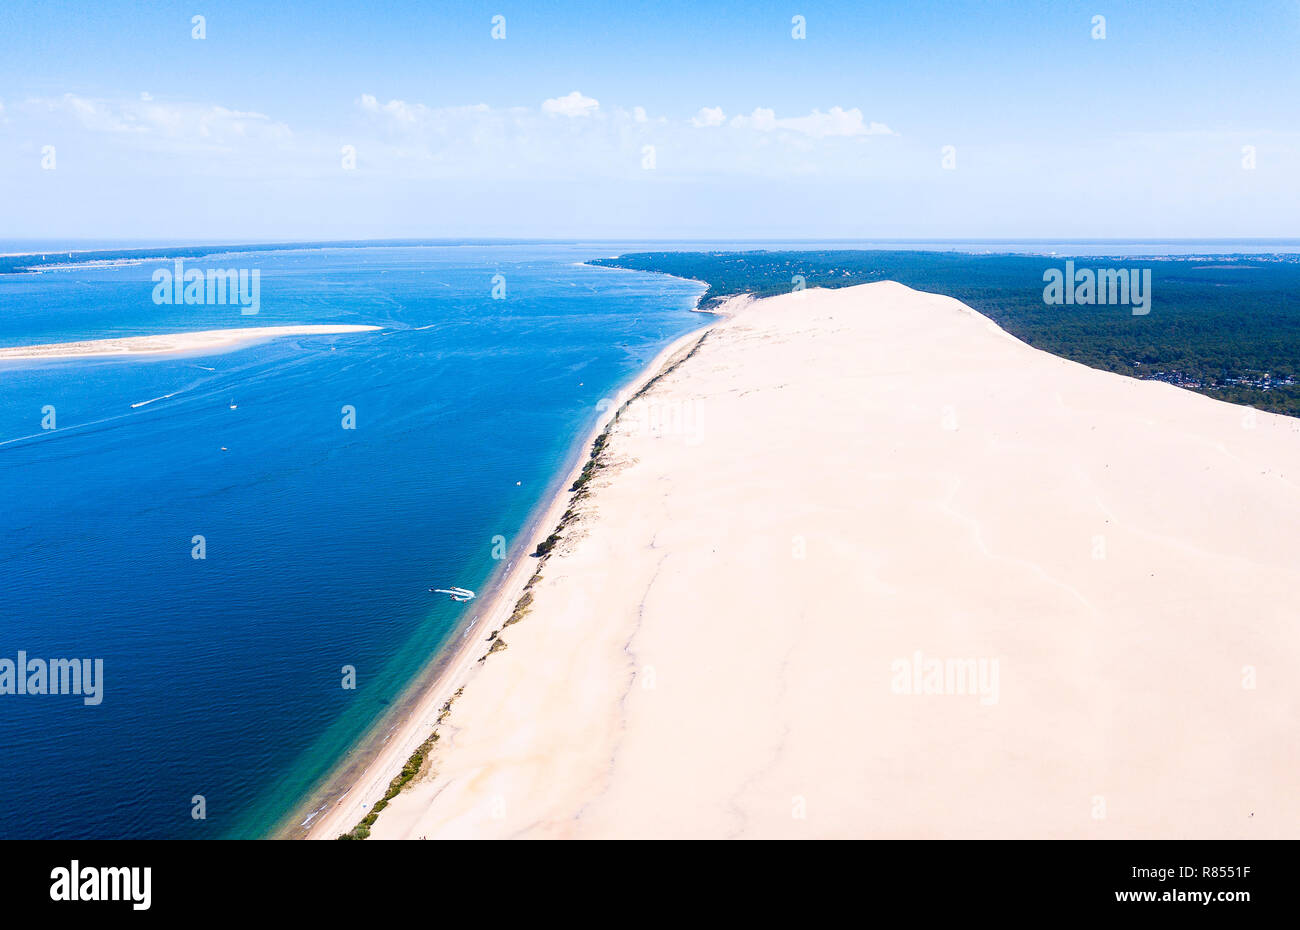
x=1226, y=326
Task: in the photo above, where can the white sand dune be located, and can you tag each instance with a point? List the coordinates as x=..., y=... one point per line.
x=840, y=486
x=198, y=343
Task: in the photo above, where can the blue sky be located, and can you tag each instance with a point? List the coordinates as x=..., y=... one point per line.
x=664, y=119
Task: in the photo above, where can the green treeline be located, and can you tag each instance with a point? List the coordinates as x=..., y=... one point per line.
x=1226, y=326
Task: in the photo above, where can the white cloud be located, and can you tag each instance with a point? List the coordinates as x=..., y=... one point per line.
x=834, y=122
x=407, y=139
x=147, y=117
x=399, y=111
x=573, y=104
x=709, y=116
x=415, y=140
x=418, y=119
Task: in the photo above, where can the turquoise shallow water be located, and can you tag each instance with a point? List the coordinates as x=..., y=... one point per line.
x=222, y=676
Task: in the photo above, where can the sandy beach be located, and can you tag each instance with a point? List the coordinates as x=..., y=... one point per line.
x=205, y=341
x=862, y=565
x=495, y=607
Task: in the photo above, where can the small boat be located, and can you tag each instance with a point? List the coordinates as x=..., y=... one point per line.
x=456, y=594
x=233, y=405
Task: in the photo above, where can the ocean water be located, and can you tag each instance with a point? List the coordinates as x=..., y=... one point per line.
x=223, y=676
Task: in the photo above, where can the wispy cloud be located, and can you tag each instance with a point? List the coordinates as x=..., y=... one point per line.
x=145, y=116
x=398, y=110
x=709, y=116
x=574, y=135
x=834, y=122
x=574, y=104
x=400, y=114
x=566, y=137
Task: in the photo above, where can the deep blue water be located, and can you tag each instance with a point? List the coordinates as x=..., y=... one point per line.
x=222, y=676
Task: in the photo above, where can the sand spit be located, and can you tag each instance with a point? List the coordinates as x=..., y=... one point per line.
x=206, y=341
x=866, y=566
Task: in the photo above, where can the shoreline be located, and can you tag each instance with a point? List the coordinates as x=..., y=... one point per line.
x=729, y=634
x=417, y=725
x=198, y=342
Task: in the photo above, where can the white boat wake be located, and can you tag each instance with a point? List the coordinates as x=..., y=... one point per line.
x=152, y=399
x=456, y=594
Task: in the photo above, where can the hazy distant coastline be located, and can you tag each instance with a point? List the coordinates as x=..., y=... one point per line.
x=19, y=257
